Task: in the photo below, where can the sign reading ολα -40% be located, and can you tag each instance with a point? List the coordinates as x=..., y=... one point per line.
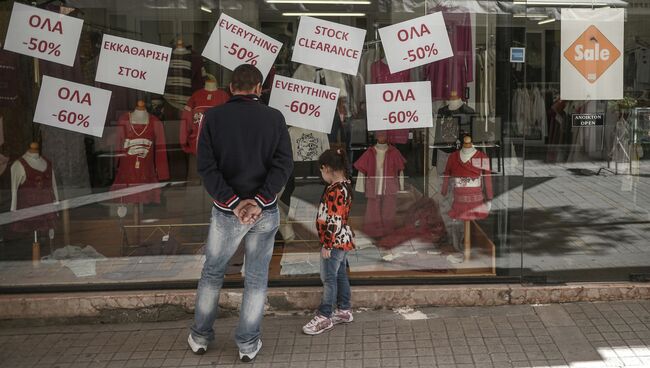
x=399, y=106
x=304, y=104
x=43, y=34
x=233, y=43
x=72, y=106
x=416, y=42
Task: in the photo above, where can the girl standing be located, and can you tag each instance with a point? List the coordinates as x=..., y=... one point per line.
x=336, y=238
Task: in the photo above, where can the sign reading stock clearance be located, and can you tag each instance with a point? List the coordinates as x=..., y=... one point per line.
x=328, y=45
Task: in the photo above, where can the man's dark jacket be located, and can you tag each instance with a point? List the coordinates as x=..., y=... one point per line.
x=244, y=152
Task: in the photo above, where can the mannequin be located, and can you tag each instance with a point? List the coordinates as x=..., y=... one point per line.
x=381, y=176
x=178, y=88
x=141, y=154
x=192, y=116
x=469, y=170
x=33, y=184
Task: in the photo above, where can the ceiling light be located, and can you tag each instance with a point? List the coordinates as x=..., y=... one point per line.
x=545, y=21
x=206, y=9
x=342, y=2
x=560, y=3
x=324, y=14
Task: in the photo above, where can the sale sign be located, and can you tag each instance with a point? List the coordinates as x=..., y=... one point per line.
x=233, y=43
x=43, y=34
x=306, y=105
x=399, y=105
x=72, y=106
x=416, y=42
x=133, y=64
x=328, y=45
x=591, y=65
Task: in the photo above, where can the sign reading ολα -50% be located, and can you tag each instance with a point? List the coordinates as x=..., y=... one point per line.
x=43, y=34
x=304, y=104
x=399, y=106
x=416, y=42
x=72, y=106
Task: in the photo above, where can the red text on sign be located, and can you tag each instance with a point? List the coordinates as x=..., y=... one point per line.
x=408, y=34
x=398, y=96
x=332, y=33
x=133, y=73
x=248, y=36
x=65, y=93
x=308, y=90
x=45, y=23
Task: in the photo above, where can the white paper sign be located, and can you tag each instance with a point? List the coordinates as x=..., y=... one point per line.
x=306, y=105
x=592, y=54
x=399, y=105
x=133, y=64
x=416, y=42
x=328, y=45
x=72, y=106
x=233, y=43
x=43, y=34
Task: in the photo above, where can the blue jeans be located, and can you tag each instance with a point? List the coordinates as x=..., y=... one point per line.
x=336, y=285
x=226, y=233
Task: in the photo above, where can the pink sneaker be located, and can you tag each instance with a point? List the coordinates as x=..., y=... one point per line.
x=317, y=325
x=342, y=316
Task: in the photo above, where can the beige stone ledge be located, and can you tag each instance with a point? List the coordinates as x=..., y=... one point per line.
x=98, y=304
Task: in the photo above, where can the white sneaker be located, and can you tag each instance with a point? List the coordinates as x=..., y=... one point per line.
x=195, y=346
x=342, y=316
x=250, y=356
x=318, y=325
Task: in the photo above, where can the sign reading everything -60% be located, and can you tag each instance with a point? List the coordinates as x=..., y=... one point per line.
x=72, y=106
x=43, y=34
x=304, y=104
x=399, y=106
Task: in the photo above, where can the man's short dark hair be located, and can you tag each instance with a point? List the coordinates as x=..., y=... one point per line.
x=245, y=77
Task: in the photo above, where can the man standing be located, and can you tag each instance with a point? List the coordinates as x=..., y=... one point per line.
x=244, y=159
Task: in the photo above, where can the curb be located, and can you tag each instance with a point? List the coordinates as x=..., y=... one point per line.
x=176, y=304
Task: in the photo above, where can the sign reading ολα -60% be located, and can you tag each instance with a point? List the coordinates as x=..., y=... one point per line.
x=399, y=106
x=416, y=42
x=304, y=104
x=43, y=34
x=72, y=106
x=233, y=43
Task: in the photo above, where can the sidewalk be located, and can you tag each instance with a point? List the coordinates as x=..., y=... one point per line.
x=614, y=334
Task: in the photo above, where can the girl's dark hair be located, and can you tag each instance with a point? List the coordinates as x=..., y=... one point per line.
x=335, y=159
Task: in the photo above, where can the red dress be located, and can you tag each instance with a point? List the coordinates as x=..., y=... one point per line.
x=192, y=116
x=142, y=158
x=35, y=191
x=472, y=185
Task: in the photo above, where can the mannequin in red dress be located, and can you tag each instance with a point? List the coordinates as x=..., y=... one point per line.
x=381, y=176
x=469, y=171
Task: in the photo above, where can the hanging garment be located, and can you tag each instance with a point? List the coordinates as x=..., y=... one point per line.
x=454, y=73
x=381, y=74
x=142, y=158
x=192, y=117
x=331, y=78
x=178, y=88
x=35, y=191
x=307, y=145
x=449, y=123
x=9, y=77
x=472, y=186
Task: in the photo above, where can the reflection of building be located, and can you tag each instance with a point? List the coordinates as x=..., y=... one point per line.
x=568, y=202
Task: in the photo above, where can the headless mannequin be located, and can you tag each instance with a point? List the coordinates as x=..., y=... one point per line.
x=460, y=229
x=210, y=85
x=381, y=147
x=140, y=114
x=180, y=45
x=454, y=102
x=18, y=174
